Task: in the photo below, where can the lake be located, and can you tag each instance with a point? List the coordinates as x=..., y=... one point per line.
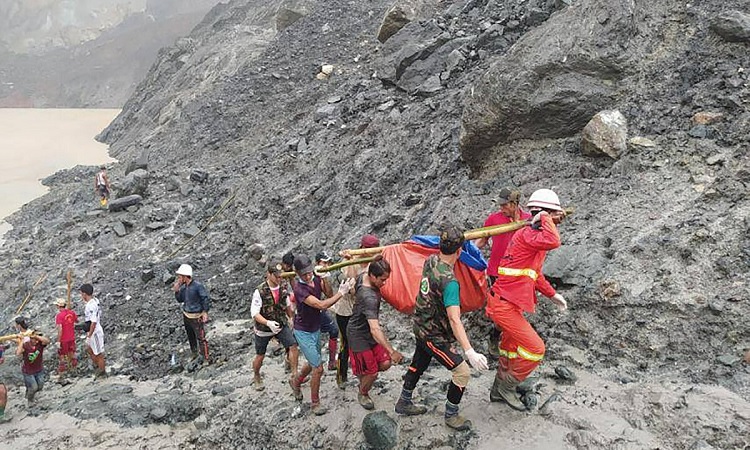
x=35, y=143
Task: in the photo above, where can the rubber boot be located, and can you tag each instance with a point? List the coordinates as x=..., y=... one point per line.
x=408, y=408
x=333, y=345
x=458, y=422
x=504, y=390
x=494, y=342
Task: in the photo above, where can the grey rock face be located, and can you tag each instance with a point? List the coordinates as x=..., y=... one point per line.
x=733, y=26
x=552, y=81
x=605, y=134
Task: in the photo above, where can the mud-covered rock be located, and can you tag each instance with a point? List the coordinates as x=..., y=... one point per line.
x=134, y=183
x=380, y=430
x=396, y=18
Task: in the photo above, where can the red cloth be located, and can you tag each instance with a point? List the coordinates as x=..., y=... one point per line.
x=368, y=362
x=527, y=250
x=67, y=348
x=407, y=261
x=67, y=319
x=500, y=242
x=517, y=332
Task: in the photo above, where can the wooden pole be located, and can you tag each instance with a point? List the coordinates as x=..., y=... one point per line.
x=69, y=279
x=31, y=291
x=336, y=266
x=13, y=337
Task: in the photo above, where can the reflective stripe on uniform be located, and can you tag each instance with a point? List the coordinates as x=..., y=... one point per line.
x=508, y=271
x=522, y=353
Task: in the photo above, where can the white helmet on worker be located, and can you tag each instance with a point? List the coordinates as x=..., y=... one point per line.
x=544, y=199
x=185, y=270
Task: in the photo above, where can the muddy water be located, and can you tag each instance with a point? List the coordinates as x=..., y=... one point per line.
x=35, y=143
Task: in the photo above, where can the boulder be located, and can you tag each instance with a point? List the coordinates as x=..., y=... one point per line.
x=733, y=26
x=380, y=430
x=395, y=19
x=413, y=59
x=553, y=79
x=134, y=183
x=141, y=162
x=122, y=203
x=605, y=134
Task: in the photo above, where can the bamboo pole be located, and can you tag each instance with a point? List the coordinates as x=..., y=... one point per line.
x=13, y=337
x=31, y=291
x=336, y=266
x=476, y=233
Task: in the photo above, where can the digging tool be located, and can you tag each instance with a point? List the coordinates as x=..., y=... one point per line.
x=31, y=291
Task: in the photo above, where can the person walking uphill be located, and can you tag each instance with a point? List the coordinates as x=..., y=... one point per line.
x=371, y=352
x=437, y=323
x=345, y=308
x=95, y=332
x=195, y=305
x=509, y=212
x=31, y=350
x=65, y=321
x=308, y=290
x=514, y=293
x=101, y=185
x=270, y=308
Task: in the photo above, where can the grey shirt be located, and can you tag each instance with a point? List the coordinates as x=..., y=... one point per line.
x=366, y=306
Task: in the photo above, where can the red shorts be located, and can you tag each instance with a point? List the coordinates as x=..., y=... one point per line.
x=67, y=348
x=367, y=362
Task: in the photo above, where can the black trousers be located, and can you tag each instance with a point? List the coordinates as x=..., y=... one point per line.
x=196, y=335
x=423, y=354
x=343, y=360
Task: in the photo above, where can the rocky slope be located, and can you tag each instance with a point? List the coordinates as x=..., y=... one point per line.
x=235, y=127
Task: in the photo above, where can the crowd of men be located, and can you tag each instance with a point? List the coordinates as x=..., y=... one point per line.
x=295, y=313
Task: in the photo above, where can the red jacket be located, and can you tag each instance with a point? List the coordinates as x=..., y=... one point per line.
x=527, y=250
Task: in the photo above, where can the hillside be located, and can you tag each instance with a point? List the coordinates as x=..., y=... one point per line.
x=235, y=122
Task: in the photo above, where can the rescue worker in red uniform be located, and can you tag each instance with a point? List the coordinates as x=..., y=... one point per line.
x=514, y=293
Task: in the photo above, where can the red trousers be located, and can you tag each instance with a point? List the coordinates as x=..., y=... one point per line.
x=521, y=348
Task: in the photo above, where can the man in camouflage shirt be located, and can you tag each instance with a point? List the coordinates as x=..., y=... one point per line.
x=270, y=309
x=437, y=324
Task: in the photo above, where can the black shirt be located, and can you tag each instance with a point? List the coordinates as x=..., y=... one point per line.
x=366, y=306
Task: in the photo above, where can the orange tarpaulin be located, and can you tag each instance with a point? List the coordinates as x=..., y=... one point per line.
x=407, y=259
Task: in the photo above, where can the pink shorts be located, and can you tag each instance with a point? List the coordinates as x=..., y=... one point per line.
x=368, y=361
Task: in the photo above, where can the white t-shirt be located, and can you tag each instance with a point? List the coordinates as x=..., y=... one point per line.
x=93, y=312
x=257, y=303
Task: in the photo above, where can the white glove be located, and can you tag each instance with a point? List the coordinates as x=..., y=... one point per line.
x=274, y=326
x=322, y=274
x=560, y=302
x=346, y=286
x=476, y=360
x=538, y=216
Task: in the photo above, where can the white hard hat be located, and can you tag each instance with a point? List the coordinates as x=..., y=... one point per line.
x=186, y=270
x=544, y=198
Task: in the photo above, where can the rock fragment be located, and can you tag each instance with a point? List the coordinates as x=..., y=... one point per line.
x=380, y=430
x=605, y=134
